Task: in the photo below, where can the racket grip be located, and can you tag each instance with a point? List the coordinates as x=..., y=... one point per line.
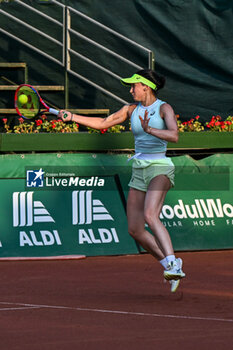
x=53, y=111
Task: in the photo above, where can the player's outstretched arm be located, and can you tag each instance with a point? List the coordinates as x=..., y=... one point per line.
x=97, y=122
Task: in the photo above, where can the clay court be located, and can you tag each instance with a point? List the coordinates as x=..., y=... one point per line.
x=117, y=303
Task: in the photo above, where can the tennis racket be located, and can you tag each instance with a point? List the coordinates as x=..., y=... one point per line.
x=29, y=104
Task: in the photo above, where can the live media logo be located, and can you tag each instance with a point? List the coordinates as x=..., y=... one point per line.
x=35, y=178
x=38, y=179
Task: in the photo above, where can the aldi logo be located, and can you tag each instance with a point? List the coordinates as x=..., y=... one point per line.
x=86, y=209
x=27, y=211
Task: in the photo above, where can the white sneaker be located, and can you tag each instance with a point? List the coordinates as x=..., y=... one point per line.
x=174, y=271
x=174, y=285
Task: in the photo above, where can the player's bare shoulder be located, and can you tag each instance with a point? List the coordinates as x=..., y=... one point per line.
x=166, y=110
x=131, y=107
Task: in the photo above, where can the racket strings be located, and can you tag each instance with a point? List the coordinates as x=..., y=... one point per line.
x=32, y=107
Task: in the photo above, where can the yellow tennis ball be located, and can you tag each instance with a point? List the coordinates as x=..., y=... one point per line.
x=23, y=99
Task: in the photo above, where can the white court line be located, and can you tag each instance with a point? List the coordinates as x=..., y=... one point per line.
x=18, y=308
x=118, y=312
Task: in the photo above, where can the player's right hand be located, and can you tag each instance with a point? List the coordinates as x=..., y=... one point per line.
x=66, y=116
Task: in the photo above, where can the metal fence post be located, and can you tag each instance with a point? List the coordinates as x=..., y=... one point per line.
x=151, y=60
x=66, y=48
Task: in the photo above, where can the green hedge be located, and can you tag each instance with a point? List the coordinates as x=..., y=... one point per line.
x=98, y=142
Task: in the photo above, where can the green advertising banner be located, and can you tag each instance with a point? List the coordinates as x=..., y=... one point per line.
x=87, y=220
x=74, y=204
x=199, y=220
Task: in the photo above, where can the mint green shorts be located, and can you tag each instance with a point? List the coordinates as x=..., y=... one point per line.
x=143, y=171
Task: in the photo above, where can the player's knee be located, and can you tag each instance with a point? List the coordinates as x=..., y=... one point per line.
x=133, y=231
x=151, y=218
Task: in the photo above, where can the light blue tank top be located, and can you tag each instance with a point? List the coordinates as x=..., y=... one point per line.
x=144, y=142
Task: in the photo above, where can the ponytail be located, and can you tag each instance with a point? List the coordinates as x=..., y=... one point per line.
x=154, y=77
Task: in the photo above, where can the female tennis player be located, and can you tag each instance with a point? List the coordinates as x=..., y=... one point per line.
x=153, y=124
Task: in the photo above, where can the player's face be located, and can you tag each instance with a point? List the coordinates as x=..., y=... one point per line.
x=137, y=91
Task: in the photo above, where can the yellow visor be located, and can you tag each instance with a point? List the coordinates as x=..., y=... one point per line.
x=136, y=78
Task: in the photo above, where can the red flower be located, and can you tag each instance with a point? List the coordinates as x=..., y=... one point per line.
x=4, y=120
x=197, y=117
x=39, y=122
x=103, y=131
x=21, y=120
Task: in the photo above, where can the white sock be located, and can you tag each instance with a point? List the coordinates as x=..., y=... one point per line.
x=163, y=262
x=170, y=258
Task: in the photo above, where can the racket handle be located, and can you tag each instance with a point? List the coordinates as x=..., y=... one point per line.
x=53, y=111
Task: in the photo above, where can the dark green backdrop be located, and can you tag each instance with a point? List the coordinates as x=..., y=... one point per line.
x=191, y=39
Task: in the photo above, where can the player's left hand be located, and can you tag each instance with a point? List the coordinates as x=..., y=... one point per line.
x=145, y=122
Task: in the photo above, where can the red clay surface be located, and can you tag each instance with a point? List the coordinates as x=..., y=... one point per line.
x=117, y=303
